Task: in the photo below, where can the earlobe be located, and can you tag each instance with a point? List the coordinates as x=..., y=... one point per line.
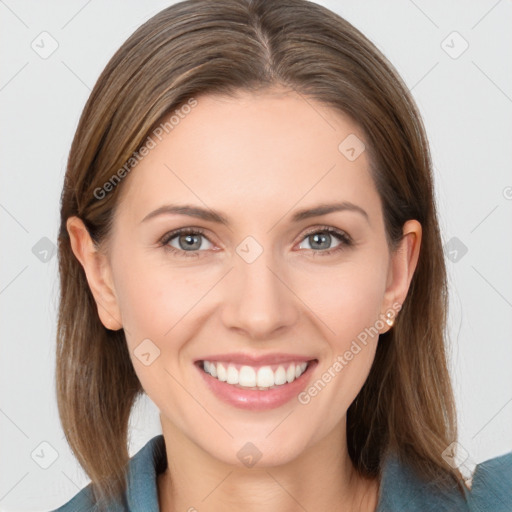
x=98, y=273
x=402, y=266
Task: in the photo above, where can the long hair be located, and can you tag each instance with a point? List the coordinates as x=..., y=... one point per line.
x=198, y=47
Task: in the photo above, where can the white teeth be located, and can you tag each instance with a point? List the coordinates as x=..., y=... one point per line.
x=280, y=376
x=262, y=378
x=290, y=373
x=232, y=375
x=265, y=377
x=222, y=374
x=247, y=377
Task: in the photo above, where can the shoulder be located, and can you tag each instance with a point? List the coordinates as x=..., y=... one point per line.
x=141, y=491
x=491, y=490
x=402, y=489
x=81, y=502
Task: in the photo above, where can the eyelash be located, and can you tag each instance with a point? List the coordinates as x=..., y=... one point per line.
x=345, y=240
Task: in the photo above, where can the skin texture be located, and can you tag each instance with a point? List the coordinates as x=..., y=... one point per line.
x=257, y=158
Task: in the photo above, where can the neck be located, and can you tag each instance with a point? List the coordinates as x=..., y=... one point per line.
x=321, y=478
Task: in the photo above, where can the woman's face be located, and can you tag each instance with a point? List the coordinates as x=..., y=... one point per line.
x=265, y=281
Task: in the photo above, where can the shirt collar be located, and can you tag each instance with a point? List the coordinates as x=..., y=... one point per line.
x=144, y=468
x=400, y=488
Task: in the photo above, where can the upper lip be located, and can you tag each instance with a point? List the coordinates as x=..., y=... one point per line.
x=256, y=360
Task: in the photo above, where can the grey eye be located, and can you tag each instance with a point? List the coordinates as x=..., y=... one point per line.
x=188, y=241
x=320, y=240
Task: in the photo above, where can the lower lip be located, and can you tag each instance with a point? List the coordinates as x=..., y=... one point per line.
x=255, y=399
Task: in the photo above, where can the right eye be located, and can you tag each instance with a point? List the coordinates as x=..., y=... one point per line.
x=189, y=241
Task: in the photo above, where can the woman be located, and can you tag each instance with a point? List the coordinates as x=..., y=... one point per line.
x=222, y=143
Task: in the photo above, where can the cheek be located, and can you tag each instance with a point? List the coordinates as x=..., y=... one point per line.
x=347, y=298
x=153, y=299
x=157, y=303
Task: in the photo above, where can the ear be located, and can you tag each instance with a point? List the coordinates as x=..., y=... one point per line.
x=401, y=269
x=98, y=272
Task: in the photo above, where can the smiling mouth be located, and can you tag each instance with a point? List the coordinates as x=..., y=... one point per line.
x=261, y=378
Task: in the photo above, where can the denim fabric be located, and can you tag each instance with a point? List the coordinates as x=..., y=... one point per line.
x=400, y=490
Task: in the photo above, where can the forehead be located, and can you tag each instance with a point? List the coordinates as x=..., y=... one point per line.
x=254, y=152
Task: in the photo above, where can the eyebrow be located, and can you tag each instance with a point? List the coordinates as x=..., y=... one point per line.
x=220, y=218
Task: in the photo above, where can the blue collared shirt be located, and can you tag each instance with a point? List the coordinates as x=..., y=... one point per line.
x=400, y=490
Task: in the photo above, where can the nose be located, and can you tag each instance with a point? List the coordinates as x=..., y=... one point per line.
x=258, y=300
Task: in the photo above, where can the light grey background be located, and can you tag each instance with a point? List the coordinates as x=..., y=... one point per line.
x=466, y=103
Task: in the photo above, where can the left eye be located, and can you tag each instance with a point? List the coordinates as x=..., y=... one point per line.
x=321, y=239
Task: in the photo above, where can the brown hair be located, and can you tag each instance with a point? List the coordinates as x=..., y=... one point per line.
x=199, y=47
